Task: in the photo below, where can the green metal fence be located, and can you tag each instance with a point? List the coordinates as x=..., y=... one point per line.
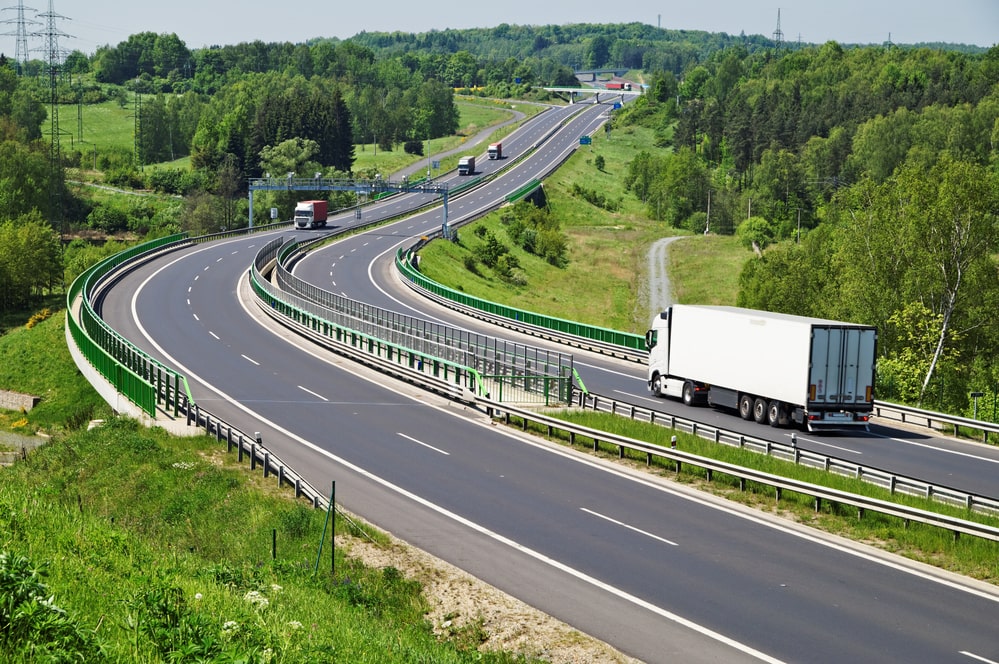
x=138, y=377
x=627, y=340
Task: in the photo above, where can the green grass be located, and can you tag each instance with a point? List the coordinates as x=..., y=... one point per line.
x=705, y=269
x=104, y=125
x=967, y=555
x=36, y=361
x=474, y=116
x=607, y=249
x=156, y=548
x=110, y=125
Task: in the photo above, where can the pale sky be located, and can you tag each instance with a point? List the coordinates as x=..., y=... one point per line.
x=88, y=24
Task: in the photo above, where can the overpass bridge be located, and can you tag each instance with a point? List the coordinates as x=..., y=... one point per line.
x=573, y=92
x=593, y=73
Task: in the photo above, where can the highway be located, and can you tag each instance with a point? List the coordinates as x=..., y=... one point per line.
x=659, y=571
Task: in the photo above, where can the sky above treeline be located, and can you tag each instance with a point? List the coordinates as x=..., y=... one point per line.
x=86, y=25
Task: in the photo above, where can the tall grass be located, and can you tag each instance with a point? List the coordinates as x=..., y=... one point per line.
x=160, y=549
x=122, y=544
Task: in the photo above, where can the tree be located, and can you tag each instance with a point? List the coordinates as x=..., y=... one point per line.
x=30, y=260
x=925, y=235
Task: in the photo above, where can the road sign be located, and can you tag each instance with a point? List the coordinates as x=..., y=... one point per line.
x=585, y=140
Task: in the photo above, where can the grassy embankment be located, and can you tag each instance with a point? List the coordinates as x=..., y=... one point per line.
x=156, y=548
x=603, y=282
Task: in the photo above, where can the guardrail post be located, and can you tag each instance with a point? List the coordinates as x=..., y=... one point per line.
x=778, y=493
x=265, y=462
x=253, y=456
x=818, y=503
x=280, y=475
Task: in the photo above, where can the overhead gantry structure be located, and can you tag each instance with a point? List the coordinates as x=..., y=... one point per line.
x=369, y=187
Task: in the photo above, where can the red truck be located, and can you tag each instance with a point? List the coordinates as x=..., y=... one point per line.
x=310, y=214
x=618, y=86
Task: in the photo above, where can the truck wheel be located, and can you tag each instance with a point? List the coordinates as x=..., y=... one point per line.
x=775, y=412
x=745, y=406
x=760, y=410
x=688, y=394
x=657, y=386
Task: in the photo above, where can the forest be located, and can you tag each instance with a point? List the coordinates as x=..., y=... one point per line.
x=864, y=178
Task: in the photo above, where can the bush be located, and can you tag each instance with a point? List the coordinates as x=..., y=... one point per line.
x=108, y=219
x=32, y=626
x=413, y=147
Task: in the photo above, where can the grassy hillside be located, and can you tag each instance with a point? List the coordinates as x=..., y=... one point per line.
x=604, y=282
x=34, y=360
x=155, y=548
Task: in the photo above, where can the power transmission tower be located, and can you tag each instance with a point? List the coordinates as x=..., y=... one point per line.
x=21, y=34
x=778, y=35
x=54, y=57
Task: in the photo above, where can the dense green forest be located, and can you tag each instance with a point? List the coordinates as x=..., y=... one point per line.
x=865, y=178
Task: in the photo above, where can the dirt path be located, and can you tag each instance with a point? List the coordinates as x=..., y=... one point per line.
x=660, y=288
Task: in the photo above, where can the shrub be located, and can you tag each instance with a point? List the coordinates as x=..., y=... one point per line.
x=32, y=626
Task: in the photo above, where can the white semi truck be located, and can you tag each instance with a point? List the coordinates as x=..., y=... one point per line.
x=771, y=368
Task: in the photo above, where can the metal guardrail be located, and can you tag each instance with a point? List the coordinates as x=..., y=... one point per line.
x=885, y=479
x=932, y=420
x=506, y=361
x=316, y=321
x=711, y=466
x=253, y=448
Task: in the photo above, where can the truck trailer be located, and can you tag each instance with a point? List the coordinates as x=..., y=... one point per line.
x=495, y=150
x=466, y=166
x=772, y=368
x=310, y=214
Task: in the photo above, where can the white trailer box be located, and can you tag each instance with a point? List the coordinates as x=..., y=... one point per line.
x=822, y=368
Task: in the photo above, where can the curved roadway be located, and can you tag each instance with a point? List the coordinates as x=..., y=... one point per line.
x=661, y=572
